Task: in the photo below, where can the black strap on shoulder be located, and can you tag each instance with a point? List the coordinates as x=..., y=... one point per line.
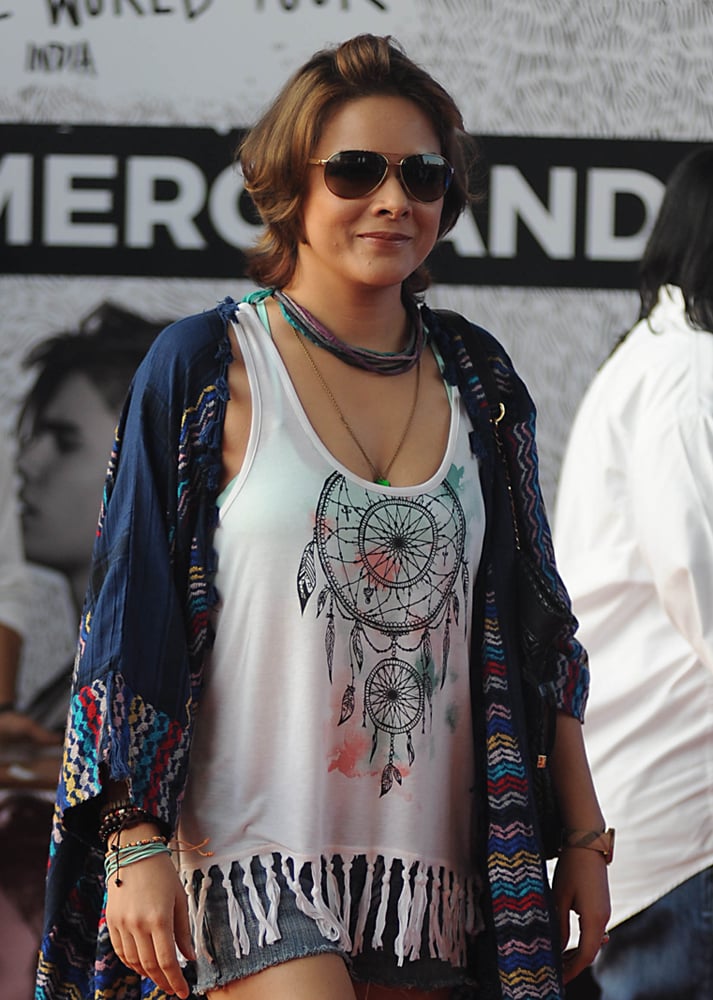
x=475, y=345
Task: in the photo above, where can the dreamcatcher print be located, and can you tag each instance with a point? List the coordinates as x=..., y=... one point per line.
x=393, y=566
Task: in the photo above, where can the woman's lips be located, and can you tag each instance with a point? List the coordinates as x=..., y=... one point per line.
x=394, y=239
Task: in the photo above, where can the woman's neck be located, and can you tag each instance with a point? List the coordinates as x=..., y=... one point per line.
x=370, y=318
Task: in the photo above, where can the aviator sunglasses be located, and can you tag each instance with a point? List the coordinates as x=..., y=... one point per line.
x=356, y=173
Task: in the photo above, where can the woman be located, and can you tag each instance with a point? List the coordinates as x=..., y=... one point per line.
x=338, y=834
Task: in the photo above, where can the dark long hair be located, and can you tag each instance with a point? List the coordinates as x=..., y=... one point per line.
x=680, y=248
x=107, y=346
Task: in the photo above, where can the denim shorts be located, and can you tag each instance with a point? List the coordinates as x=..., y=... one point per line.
x=300, y=937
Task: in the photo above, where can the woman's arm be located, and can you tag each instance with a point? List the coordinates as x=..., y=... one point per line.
x=147, y=907
x=580, y=881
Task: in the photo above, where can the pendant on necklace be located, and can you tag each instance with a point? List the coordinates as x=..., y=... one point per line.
x=380, y=481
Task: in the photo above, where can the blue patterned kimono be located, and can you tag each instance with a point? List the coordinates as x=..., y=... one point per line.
x=146, y=631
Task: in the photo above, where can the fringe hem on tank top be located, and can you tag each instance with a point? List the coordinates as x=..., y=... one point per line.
x=432, y=909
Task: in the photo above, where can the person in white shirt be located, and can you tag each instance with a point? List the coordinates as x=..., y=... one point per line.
x=634, y=539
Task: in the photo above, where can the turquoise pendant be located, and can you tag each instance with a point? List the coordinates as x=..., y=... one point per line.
x=382, y=482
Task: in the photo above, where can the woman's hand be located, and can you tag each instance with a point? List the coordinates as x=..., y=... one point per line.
x=147, y=917
x=580, y=885
x=16, y=727
x=580, y=881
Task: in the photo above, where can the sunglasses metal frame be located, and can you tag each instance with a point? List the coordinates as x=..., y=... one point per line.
x=324, y=162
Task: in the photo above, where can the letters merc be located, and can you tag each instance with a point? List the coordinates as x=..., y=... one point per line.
x=127, y=200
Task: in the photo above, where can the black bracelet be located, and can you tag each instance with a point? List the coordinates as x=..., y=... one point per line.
x=123, y=818
x=115, y=807
x=7, y=706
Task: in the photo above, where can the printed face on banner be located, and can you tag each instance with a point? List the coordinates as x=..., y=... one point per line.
x=62, y=461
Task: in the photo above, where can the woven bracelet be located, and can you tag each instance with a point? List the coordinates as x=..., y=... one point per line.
x=119, y=857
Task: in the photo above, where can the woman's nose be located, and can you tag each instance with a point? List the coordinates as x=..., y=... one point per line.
x=33, y=455
x=392, y=195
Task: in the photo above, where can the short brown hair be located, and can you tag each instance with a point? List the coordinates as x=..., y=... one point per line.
x=274, y=154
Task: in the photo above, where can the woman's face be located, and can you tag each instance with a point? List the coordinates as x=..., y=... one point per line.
x=62, y=464
x=378, y=240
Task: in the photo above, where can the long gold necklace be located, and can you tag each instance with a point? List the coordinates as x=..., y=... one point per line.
x=380, y=478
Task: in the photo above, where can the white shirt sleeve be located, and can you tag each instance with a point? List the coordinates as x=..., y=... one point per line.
x=671, y=487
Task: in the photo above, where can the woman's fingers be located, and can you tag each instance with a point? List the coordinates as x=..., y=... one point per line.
x=580, y=886
x=153, y=956
x=592, y=936
x=159, y=962
x=564, y=927
x=182, y=927
x=150, y=961
x=147, y=917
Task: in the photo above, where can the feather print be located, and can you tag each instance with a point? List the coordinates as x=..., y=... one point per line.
x=306, y=575
x=446, y=648
x=466, y=592
x=388, y=775
x=427, y=649
x=347, y=704
x=329, y=643
x=322, y=600
x=355, y=647
x=374, y=743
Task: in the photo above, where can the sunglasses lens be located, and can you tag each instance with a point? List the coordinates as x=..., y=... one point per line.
x=354, y=173
x=427, y=176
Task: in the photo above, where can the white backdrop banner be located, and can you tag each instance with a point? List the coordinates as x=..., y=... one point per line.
x=174, y=50
x=118, y=119
x=138, y=200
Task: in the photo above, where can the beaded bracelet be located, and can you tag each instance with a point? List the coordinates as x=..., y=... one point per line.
x=158, y=839
x=122, y=817
x=111, y=807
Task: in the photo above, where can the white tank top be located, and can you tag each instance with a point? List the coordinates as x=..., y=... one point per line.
x=335, y=718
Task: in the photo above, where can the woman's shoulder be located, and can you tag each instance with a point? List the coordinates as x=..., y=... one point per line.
x=460, y=334
x=193, y=333
x=198, y=342
x=451, y=322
